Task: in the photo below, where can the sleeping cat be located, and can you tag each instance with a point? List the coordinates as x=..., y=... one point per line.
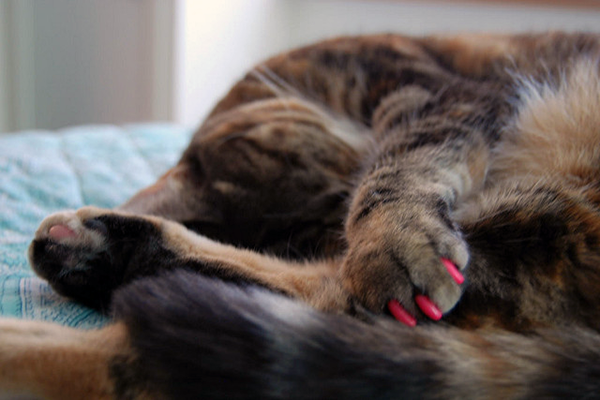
x=367, y=217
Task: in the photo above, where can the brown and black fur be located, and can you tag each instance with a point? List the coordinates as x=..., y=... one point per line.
x=339, y=174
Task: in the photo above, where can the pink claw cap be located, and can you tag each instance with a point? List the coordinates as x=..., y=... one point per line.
x=453, y=271
x=428, y=308
x=400, y=313
x=58, y=232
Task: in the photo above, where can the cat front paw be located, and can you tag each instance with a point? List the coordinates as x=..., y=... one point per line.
x=409, y=266
x=84, y=254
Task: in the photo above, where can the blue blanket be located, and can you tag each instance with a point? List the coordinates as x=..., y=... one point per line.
x=44, y=172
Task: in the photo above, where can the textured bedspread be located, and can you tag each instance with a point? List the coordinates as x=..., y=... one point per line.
x=43, y=172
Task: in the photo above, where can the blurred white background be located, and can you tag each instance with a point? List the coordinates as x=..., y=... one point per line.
x=69, y=62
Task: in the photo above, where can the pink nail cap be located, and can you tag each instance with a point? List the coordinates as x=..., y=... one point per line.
x=428, y=308
x=453, y=271
x=400, y=313
x=59, y=232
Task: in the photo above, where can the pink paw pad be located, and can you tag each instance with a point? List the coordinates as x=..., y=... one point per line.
x=59, y=232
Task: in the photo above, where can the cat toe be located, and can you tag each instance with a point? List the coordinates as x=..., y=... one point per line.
x=433, y=280
x=422, y=279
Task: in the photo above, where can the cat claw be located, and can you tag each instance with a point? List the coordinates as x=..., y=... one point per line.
x=453, y=270
x=400, y=313
x=427, y=306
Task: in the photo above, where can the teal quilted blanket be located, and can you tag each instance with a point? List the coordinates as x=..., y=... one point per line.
x=43, y=172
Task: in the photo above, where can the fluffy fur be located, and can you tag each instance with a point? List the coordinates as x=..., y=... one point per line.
x=254, y=344
x=327, y=182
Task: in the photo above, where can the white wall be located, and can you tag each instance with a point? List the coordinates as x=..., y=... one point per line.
x=314, y=19
x=217, y=42
x=75, y=62
x=67, y=62
x=92, y=62
x=17, y=74
x=5, y=122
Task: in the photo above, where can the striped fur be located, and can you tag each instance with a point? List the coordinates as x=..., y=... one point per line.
x=337, y=175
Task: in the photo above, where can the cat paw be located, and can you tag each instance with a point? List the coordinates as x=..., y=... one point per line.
x=84, y=254
x=411, y=268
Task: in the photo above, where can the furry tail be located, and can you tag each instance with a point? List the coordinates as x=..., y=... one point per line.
x=201, y=338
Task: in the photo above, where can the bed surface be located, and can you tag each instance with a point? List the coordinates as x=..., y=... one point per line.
x=42, y=172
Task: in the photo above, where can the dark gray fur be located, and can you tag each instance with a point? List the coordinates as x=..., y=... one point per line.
x=201, y=338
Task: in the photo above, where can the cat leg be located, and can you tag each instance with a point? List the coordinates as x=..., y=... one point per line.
x=433, y=151
x=89, y=253
x=272, y=175
x=53, y=362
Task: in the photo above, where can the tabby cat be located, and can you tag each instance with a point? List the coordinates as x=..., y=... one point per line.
x=449, y=182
